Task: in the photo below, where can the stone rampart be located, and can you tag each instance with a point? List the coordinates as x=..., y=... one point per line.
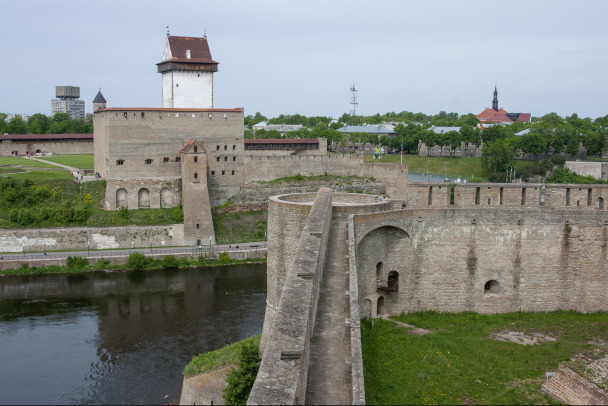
x=206, y=388
x=283, y=373
x=81, y=238
x=570, y=388
x=8, y=148
x=508, y=195
x=598, y=170
x=487, y=261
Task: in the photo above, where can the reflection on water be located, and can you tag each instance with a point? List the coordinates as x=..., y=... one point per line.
x=119, y=338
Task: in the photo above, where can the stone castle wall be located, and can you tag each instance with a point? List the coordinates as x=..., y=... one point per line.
x=7, y=147
x=570, y=388
x=485, y=261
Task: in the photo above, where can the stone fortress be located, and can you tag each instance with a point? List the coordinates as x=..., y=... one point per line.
x=191, y=153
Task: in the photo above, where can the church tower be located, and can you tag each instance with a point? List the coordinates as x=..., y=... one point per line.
x=187, y=73
x=495, y=100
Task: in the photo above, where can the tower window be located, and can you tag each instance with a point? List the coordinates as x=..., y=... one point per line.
x=223, y=172
x=177, y=85
x=178, y=159
x=195, y=159
x=212, y=172
x=234, y=147
x=233, y=172
x=218, y=158
x=197, y=225
x=225, y=158
x=195, y=175
x=143, y=115
x=166, y=159
x=148, y=162
x=195, y=150
x=234, y=158
x=125, y=114
x=225, y=147
x=120, y=162
x=218, y=148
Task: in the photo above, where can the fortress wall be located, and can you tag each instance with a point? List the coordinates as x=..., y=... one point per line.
x=570, y=388
x=134, y=135
x=54, y=147
x=285, y=357
x=445, y=257
x=285, y=224
x=598, y=170
x=162, y=192
x=70, y=238
x=508, y=195
x=272, y=167
x=394, y=177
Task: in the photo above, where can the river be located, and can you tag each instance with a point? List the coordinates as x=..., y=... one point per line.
x=119, y=337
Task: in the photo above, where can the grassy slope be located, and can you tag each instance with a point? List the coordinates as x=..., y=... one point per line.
x=30, y=163
x=460, y=364
x=215, y=359
x=242, y=227
x=84, y=161
x=452, y=167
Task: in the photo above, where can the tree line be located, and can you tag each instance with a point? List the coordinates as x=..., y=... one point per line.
x=39, y=123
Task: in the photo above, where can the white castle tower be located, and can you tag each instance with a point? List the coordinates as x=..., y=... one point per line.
x=187, y=70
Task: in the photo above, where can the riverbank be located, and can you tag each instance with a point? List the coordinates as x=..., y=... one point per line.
x=133, y=261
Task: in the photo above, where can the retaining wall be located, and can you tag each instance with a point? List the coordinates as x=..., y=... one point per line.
x=570, y=388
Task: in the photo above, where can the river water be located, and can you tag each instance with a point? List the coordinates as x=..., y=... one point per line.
x=119, y=337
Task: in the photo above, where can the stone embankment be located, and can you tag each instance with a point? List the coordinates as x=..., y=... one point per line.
x=571, y=388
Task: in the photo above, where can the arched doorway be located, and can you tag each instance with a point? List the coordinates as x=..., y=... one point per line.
x=393, y=281
x=143, y=198
x=380, y=307
x=121, y=198
x=166, y=198
x=599, y=203
x=491, y=287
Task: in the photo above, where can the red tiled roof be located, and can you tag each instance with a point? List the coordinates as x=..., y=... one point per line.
x=500, y=118
x=187, y=146
x=46, y=137
x=283, y=141
x=198, y=47
x=525, y=117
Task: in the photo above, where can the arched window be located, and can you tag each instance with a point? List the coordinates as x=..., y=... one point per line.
x=143, y=198
x=491, y=287
x=393, y=281
x=121, y=198
x=380, y=307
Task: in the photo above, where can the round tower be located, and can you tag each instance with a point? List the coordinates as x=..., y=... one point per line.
x=187, y=73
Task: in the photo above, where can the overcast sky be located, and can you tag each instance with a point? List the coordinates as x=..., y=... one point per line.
x=303, y=56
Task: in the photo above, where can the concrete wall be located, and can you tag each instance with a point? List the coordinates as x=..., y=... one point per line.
x=285, y=357
x=75, y=238
x=542, y=260
x=55, y=147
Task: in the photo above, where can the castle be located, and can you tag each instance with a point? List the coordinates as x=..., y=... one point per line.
x=188, y=152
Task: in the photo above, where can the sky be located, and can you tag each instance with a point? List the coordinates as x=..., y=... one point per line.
x=301, y=57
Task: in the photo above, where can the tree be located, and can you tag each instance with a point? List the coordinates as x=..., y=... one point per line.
x=17, y=126
x=38, y=123
x=241, y=380
x=532, y=143
x=59, y=123
x=3, y=124
x=593, y=142
x=497, y=155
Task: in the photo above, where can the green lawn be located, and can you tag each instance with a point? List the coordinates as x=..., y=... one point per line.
x=82, y=161
x=17, y=160
x=43, y=176
x=452, y=167
x=215, y=359
x=460, y=362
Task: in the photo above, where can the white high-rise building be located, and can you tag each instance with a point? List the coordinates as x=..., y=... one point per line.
x=187, y=70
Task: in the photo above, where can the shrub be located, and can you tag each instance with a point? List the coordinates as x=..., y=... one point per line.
x=170, y=262
x=498, y=177
x=558, y=160
x=137, y=260
x=77, y=263
x=178, y=214
x=240, y=380
x=101, y=264
x=523, y=173
x=123, y=212
x=184, y=261
x=224, y=258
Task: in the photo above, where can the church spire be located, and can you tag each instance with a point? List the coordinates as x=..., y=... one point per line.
x=495, y=100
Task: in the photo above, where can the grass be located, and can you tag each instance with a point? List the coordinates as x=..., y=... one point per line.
x=452, y=167
x=30, y=163
x=318, y=178
x=215, y=359
x=232, y=228
x=460, y=364
x=44, y=176
x=80, y=161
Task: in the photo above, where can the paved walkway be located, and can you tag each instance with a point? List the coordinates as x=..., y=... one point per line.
x=328, y=379
x=69, y=168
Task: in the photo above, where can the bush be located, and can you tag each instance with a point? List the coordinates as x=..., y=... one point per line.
x=178, y=214
x=102, y=264
x=170, y=262
x=224, y=258
x=498, y=177
x=184, y=261
x=523, y=173
x=123, y=212
x=137, y=260
x=77, y=263
x=240, y=380
x=558, y=160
